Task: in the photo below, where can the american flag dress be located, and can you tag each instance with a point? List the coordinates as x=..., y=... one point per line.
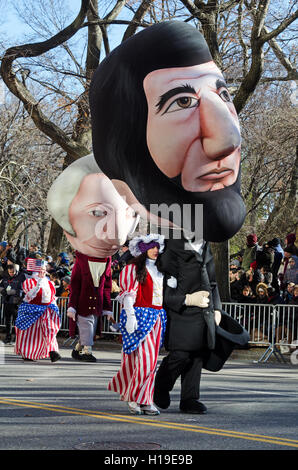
x=38, y=321
x=135, y=379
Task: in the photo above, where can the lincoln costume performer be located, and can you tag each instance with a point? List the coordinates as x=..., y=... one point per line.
x=165, y=131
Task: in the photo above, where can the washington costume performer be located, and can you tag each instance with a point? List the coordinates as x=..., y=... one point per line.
x=38, y=320
x=142, y=324
x=96, y=221
x=166, y=132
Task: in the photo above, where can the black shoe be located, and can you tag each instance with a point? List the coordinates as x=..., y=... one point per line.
x=7, y=340
x=76, y=355
x=54, y=356
x=161, y=398
x=26, y=359
x=192, y=406
x=87, y=358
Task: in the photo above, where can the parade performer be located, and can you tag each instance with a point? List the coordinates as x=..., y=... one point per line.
x=142, y=324
x=197, y=336
x=96, y=221
x=38, y=320
x=165, y=130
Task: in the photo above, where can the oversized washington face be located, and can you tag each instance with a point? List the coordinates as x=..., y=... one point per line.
x=192, y=126
x=100, y=217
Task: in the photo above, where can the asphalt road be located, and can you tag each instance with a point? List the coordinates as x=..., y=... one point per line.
x=66, y=406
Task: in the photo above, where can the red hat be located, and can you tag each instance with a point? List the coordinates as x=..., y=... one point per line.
x=251, y=239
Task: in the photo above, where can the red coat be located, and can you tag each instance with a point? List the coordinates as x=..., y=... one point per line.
x=84, y=297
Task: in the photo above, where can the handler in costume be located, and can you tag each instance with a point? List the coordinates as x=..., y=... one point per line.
x=142, y=324
x=90, y=296
x=38, y=320
x=96, y=221
x=196, y=337
x=164, y=128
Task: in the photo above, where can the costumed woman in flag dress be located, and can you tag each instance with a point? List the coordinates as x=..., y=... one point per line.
x=38, y=320
x=142, y=324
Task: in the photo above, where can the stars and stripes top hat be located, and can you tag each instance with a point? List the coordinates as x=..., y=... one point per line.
x=36, y=265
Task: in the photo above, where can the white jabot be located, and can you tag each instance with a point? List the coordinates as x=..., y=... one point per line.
x=96, y=269
x=157, y=278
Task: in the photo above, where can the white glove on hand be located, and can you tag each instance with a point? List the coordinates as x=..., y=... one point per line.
x=71, y=313
x=197, y=299
x=217, y=317
x=131, y=322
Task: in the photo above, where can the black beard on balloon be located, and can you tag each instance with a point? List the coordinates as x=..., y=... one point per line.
x=223, y=210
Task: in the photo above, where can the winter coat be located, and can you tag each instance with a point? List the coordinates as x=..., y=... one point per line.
x=84, y=297
x=12, y=296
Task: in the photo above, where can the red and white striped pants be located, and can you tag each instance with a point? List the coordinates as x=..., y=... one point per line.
x=40, y=338
x=135, y=379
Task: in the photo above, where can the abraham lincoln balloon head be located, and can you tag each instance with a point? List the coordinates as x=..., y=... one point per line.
x=164, y=126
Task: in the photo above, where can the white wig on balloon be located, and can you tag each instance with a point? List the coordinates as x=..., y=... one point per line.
x=66, y=186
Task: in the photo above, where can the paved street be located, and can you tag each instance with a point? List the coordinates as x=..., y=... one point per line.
x=66, y=405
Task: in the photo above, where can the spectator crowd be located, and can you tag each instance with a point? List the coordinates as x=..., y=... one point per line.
x=265, y=273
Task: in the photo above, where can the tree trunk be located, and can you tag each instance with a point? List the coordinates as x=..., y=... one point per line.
x=55, y=239
x=221, y=255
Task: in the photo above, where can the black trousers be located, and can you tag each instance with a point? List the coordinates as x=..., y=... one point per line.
x=10, y=314
x=186, y=364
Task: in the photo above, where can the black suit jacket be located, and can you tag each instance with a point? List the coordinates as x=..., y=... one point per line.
x=189, y=328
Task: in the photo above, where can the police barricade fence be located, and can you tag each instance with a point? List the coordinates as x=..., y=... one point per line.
x=267, y=324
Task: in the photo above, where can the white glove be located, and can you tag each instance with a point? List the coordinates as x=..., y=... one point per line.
x=71, y=313
x=131, y=322
x=217, y=317
x=197, y=299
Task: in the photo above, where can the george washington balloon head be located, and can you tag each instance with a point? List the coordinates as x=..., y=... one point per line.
x=164, y=126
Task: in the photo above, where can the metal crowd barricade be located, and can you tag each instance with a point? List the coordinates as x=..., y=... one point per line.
x=274, y=326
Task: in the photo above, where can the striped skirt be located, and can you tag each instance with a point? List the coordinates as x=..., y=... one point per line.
x=135, y=379
x=39, y=339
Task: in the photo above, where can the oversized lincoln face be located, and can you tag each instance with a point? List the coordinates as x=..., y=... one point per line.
x=164, y=126
x=192, y=127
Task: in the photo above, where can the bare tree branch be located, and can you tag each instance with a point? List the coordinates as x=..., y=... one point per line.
x=284, y=24
x=19, y=89
x=139, y=15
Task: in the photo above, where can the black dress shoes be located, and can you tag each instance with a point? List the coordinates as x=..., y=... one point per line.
x=54, y=356
x=76, y=354
x=161, y=398
x=192, y=406
x=87, y=357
